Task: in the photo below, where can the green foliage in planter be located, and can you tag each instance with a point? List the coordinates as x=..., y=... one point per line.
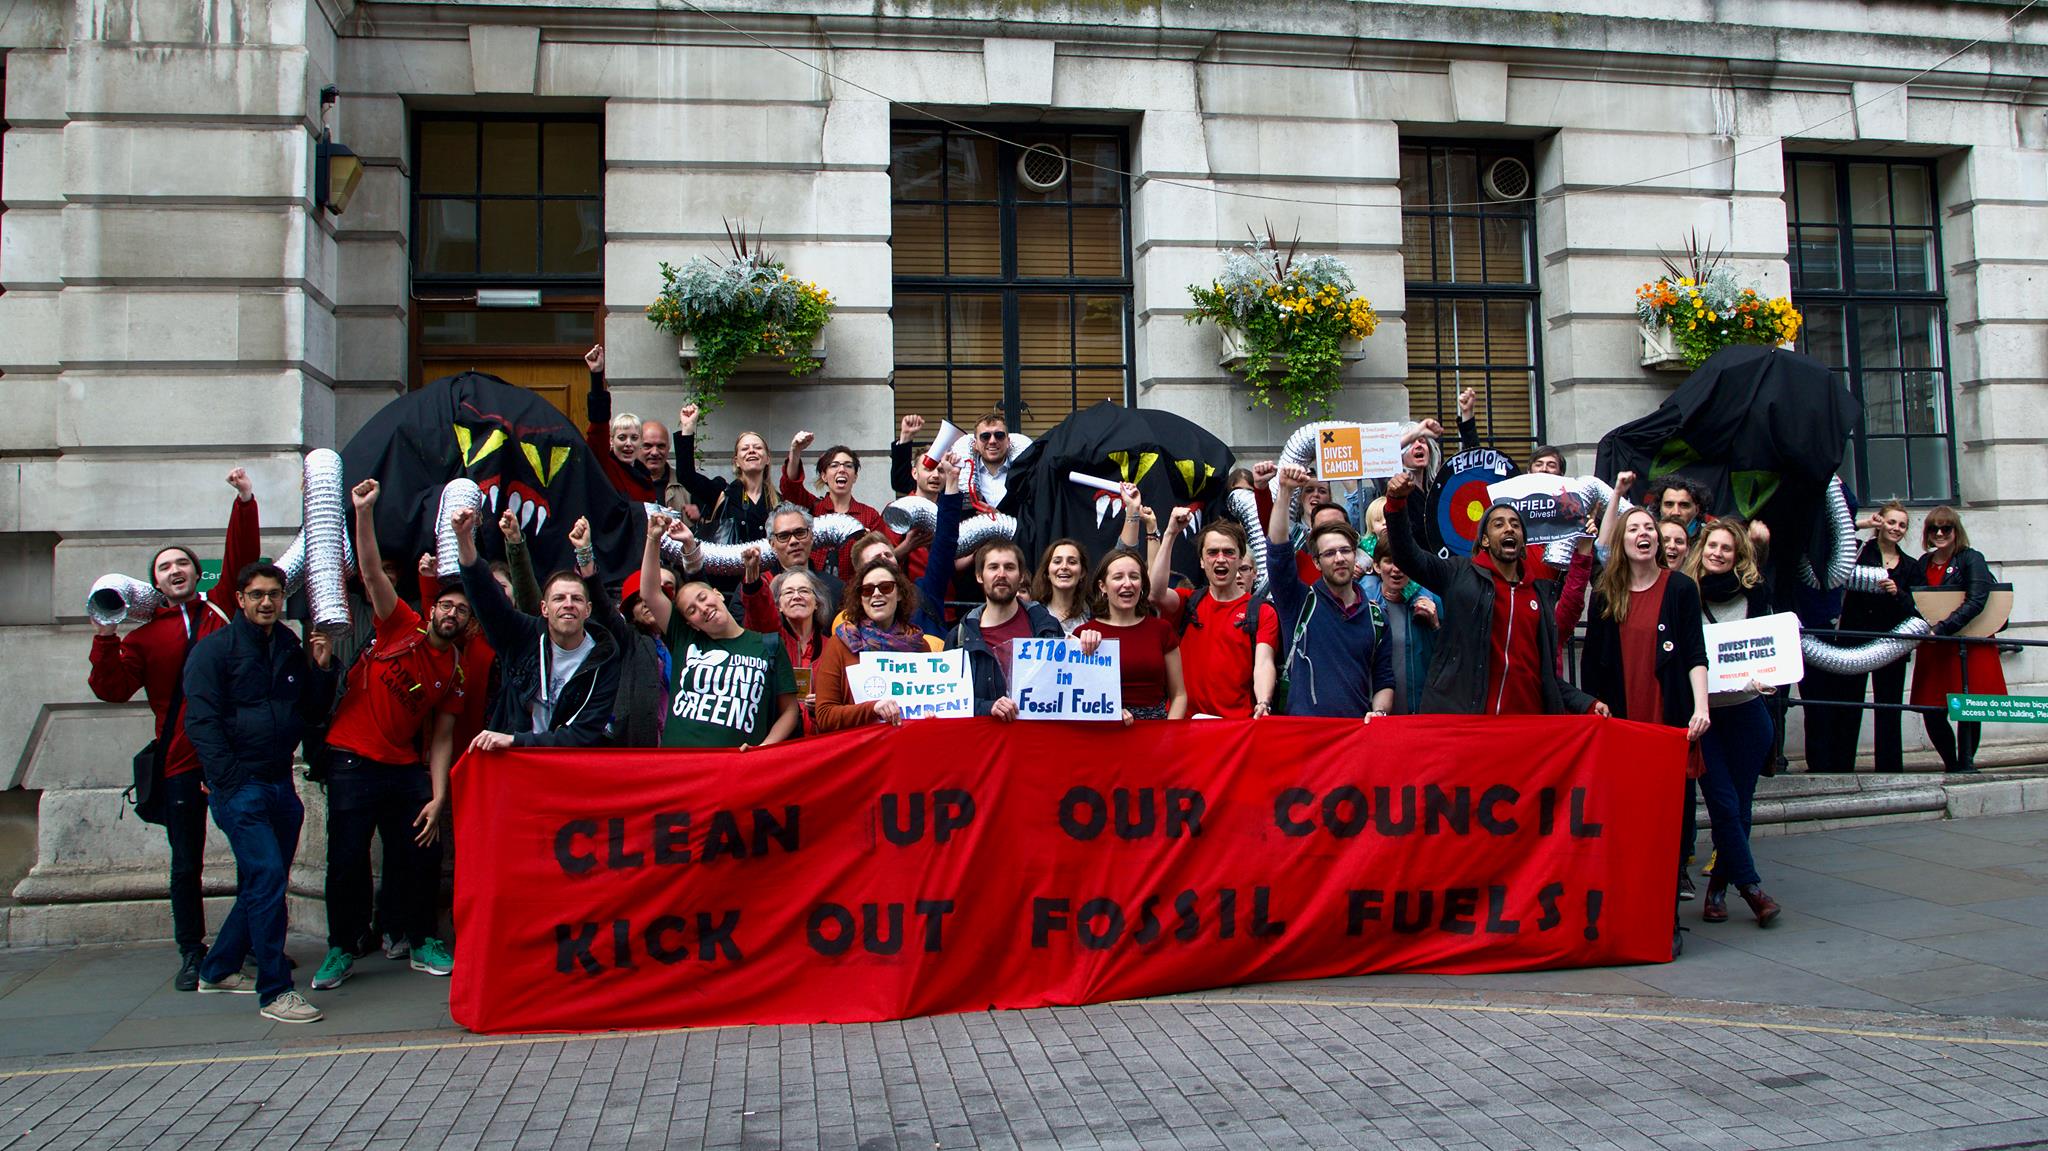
x=746, y=306
x=1298, y=312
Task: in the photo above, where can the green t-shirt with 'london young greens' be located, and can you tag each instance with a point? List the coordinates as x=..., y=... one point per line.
x=723, y=692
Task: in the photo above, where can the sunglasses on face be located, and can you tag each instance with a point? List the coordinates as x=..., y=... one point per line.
x=992, y=437
x=792, y=535
x=1940, y=529
x=878, y=589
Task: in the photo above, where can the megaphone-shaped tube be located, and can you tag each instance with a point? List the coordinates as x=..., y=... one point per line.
x=948, y=435
x=457, y=495
x=116, y=597
x=1096, y=482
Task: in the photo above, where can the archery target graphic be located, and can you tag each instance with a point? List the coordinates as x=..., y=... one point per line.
x=1461, y=507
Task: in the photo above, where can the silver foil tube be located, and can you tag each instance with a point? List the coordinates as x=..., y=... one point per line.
x=326, y=535
x=910, y=513
x=115, y=597
x=1595, y=492
x=293, y=564
x=1243, y=506
x=1841, y=526
x=457, y=495
x=831, y=530
x=978, y=529
x=1865, y=657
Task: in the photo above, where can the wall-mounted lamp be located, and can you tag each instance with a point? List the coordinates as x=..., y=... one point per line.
x=336, y=170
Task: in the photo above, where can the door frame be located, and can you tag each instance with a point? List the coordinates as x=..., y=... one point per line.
x=591, y=302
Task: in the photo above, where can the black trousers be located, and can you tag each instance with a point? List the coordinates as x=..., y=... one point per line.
x=1832, y=732
x=365, y=797
x=1945, y=741
x=185, y=827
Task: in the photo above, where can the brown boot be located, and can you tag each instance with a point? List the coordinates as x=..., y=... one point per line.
x=1764, y=906
x=1716, y=909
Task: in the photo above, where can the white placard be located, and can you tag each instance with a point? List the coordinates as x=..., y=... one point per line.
x=1765, y=649
x=925, y=684
x=1358, y=451
x=1051, y=679
x=1550, y=506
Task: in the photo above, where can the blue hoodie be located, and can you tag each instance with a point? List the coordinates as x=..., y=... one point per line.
x=1333, y=663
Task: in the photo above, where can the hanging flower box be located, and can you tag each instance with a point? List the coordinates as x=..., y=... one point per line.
x=742, y=315
x=1299, y=320
x=1660, y=349
x=761, y=363
x=1690, y=313
x=1235, y=354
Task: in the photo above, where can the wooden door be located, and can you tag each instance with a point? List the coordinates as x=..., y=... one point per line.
x=562, y=381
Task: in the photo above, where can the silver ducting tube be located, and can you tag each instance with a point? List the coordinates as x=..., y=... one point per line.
x=1243, y=506
x=1841, y=526
x=833, y=529
x=1865, y=657
x=293, y=564
x=910, y=513
x=978, y=529
x=115, y=597
x=328, y=555
x=458, y=495
x=1300, y=448
x=1593, y=492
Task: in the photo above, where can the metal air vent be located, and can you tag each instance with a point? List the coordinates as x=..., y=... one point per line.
x=1506, y=179
x=1041, y=168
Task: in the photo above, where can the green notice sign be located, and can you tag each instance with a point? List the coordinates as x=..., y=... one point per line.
x=209, y=572
x=1998, y=708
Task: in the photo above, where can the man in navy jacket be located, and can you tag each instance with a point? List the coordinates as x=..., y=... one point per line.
x=1337, y=661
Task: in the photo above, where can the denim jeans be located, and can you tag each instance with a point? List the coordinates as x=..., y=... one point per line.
x=261, y=819
x=185, y=827
x=1735, y=749
x=365, y=797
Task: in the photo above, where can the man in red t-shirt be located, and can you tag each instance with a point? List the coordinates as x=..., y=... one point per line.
x=1228, y=636
x=408, y=682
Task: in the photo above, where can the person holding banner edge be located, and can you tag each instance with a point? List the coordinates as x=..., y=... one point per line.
x=729, y=687
x=986, y=632
x=1149, y=659
x=1736, y=746
x=1228, y=633
x=880, y=618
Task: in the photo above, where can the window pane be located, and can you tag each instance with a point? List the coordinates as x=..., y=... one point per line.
x=975, y=392
x=507, y=326
x=1911, y=203
x=920, y=323
x=1093, y=179
x=974, y=242
x=1883, y=409
x=1422, y=347
x=1819, y=258
x=574, y=155
x=571, y=238
x=914, y=168
x=1462, y=331
x=1507, y=251
x=922, y=392
x=977, y=329
x=1099, y=242
x=511, y=157
x=1457, y=250
x=1872, y=251
x=1099, y=330
x=1045, y=398
x=1045, y=329
x=919, y=242
x=1094, y=386
x=1877, y=332
x=970, y=168
x=1507, y=323
x=510, y=238
x=1814, y=184
x=1885, y=460
x=1823, y=335
x=1507, y=409
x=1414, y=178
x=1929, y=459
x=1042, y=240
x=1870, y=198
x=447, y=157
x=447, y=237
x=1914, y=251
x=1919, y=336
x=1457, y=179
x=1415, y=253
x=1923, y=404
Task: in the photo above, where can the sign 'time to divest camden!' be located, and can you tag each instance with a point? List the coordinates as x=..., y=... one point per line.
x=955, y=865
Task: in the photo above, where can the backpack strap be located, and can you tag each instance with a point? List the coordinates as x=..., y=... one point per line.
x=1189, y=609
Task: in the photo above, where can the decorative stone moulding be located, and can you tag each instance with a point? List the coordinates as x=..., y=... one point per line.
x=1233, y=355
x=686, y=351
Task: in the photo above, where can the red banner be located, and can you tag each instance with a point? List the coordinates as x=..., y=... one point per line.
x=957, y=865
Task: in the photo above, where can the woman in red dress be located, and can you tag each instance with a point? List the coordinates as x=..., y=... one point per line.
x=1938, y=667
x=1149, y=658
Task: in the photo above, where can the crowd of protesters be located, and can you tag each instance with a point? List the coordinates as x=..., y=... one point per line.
x=1357, y=617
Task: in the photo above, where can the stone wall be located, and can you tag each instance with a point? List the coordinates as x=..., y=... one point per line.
x=174, y=305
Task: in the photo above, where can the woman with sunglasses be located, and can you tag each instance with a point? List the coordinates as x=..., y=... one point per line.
x=1147, y=649
x=1938, y=668
x=1057, y=584
x=1740, y=740
x=878, y=618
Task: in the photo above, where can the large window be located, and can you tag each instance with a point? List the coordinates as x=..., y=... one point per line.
x=1468, y=248
x=1866, y=275
x=508, y=199
x=1012, y=275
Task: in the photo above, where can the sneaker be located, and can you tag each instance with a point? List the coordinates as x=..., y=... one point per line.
x=233, y=983
x=432, y=957
x=188, y=971
x=334, y=971
x=1713, y=857
x=291, y=1007
x=396, y=948
x=1686, y=891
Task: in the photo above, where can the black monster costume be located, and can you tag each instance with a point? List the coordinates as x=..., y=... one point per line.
x=525, y=457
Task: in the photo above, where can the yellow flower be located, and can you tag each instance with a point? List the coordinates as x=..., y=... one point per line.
x=1685, y=281
x=1710, y=316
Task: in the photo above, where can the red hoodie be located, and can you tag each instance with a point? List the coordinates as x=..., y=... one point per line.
x=151, y=658
x=1517, y=623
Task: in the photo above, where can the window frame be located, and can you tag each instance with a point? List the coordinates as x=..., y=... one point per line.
x=539, y=198
x=1848, y=298
x=1008, y=286
x=1442, y=291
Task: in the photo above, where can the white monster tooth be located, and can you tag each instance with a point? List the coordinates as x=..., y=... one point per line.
x=1101, y=510
x=496, y=492
x=540, y=518
x=526, y=511
x=512, y=502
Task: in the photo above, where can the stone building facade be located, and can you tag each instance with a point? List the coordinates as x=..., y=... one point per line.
x=177, y=301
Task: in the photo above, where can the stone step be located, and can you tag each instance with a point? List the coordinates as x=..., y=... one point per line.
x=1800, y=802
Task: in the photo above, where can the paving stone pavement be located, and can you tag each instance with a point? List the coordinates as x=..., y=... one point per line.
x=1899, y=1006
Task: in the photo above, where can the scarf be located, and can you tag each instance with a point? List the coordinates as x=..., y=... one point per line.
x=864, y=635
x=1720, y=587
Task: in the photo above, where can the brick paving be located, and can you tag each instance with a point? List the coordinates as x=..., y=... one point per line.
x=1886, y=1014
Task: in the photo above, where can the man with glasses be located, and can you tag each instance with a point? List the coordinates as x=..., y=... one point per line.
x=1337, y=660
x=407, y=684
x=990, y=452
x=789, y=537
